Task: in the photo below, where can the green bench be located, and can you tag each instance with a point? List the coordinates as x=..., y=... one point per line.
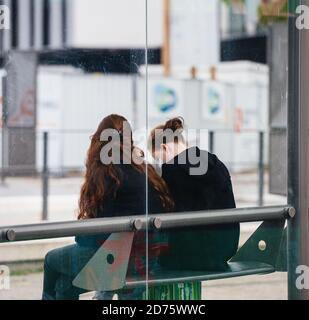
x=263, y=253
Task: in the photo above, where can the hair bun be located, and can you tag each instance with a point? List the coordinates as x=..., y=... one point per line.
x=174, y=124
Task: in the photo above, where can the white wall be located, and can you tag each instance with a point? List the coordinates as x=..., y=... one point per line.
x=71, y=105
x=118, y=24
x=115, y=23
x=195, y=37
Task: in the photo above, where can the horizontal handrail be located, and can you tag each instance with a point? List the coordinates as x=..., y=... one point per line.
x=225, y=216
x=131, y=223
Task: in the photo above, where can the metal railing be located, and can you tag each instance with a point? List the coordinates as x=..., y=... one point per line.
x=131, y=223
x=47, y=170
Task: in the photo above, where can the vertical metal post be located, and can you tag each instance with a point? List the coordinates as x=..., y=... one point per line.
x=298, y=173
x=45, y=177
x=166, y=37
x=4, y=133
x=2, y=156
x=211, y=141
x=261, y=169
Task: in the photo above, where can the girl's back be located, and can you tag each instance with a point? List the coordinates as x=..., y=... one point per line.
x=204, y=247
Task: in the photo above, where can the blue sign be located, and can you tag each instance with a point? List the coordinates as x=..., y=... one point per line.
x=165, y=98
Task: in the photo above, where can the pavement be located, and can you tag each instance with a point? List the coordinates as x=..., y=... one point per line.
x=21, y=203
x=257, y=287
x=21, y=198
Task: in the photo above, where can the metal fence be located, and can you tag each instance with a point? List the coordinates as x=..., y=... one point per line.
x=59, y=153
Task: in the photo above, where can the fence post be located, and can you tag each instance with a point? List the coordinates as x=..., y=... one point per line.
x=211, y=141
x=45, y=177
x=261, y=169
x=298, y=167
x=3, y=156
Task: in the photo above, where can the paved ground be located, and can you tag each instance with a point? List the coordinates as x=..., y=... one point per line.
x=266, y=287
x=20, y=203
x=21, y=200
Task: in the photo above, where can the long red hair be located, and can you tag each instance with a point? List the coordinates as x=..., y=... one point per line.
x=94, y=189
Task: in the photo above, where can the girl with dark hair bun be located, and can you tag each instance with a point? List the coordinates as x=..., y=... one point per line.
x=194, y=185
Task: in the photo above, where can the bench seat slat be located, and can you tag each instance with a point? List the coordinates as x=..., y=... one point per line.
x=234, y=269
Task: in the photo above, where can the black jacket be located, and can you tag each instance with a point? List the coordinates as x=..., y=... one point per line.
x=204, y=247
x=130, y=199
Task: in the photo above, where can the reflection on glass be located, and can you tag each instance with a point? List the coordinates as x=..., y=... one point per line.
x=63, y=74
x=212, y=98
x=74, y=78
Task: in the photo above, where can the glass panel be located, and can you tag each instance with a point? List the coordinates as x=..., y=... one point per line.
x=211, y=76
x=66, y=66
x=223, y=70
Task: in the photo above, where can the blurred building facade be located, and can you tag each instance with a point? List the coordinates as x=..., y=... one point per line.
x=78, y=26
x=109, y=37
